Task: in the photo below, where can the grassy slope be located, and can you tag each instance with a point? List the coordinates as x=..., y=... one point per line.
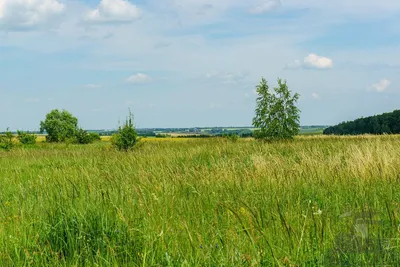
x=202, y=202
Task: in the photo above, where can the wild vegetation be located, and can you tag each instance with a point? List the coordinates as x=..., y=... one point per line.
x=62, y=126
x=6, y=140
x=26, y=138
x=226, y=201
x=126, y=138
x=328, y=201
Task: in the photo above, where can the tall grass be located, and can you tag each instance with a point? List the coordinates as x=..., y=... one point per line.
x=210, y=202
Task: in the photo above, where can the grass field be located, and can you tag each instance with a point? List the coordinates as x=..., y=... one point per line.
x=317, y=201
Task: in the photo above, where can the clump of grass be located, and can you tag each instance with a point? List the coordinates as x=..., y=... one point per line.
x=91, y=237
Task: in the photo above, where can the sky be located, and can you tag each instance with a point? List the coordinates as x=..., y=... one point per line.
x=187, y=63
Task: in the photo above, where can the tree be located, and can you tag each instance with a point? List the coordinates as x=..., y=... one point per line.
x=59, y=125
x=386, y=123
x=277, y=115
x=126, y=137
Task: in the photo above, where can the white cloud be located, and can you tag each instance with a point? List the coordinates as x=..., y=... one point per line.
x=315, y=96
x=28, y=14
x=381, y=86
x=114, y=11
x=265, y=7
x=312, y=61
x=138, y=78
x=315, y=61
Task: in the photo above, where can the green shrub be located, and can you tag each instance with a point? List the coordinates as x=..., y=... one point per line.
x=26, y=138
x=126, y=137
x=95, y=136
x=6, y=140
x=83, y=137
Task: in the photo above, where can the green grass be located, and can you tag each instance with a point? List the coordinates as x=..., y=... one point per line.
x=311, y=131
x=317, y=201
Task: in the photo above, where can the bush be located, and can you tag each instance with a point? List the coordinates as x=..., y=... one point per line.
x=95, y=136
x=26, y=138
x=6, y=140
x=83, y=137
x=126, y=137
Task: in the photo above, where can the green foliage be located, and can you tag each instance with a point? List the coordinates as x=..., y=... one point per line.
x=6, y=141
x=26, y=138
x=126, y=137
x=277, y=115
x=83, y=137
x=162, y=135
x=386, y=123
x=59, y=125
x=95, y=136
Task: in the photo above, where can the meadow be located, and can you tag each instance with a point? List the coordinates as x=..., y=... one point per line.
x=316, y=201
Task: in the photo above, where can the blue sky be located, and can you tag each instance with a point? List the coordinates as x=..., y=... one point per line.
x=183, y=63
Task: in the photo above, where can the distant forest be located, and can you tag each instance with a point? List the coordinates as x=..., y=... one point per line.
x=386, y=123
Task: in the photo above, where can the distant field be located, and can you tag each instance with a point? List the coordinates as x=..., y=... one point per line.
x=174, y=136
x=317, y=201
x=312, y=131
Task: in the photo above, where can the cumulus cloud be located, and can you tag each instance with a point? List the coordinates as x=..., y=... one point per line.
x=265, y=7
x=114, y=11
x=312, y=61
x=138, y=78
x=28, y=14
x=381, y=86
x=315, y=61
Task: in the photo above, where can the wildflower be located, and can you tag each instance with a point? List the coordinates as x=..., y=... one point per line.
x=318, y=212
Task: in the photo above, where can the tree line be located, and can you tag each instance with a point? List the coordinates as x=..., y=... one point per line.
x=386, y=123
x=276, y=117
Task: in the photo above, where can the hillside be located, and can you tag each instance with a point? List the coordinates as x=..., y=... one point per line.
x=386, y=123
